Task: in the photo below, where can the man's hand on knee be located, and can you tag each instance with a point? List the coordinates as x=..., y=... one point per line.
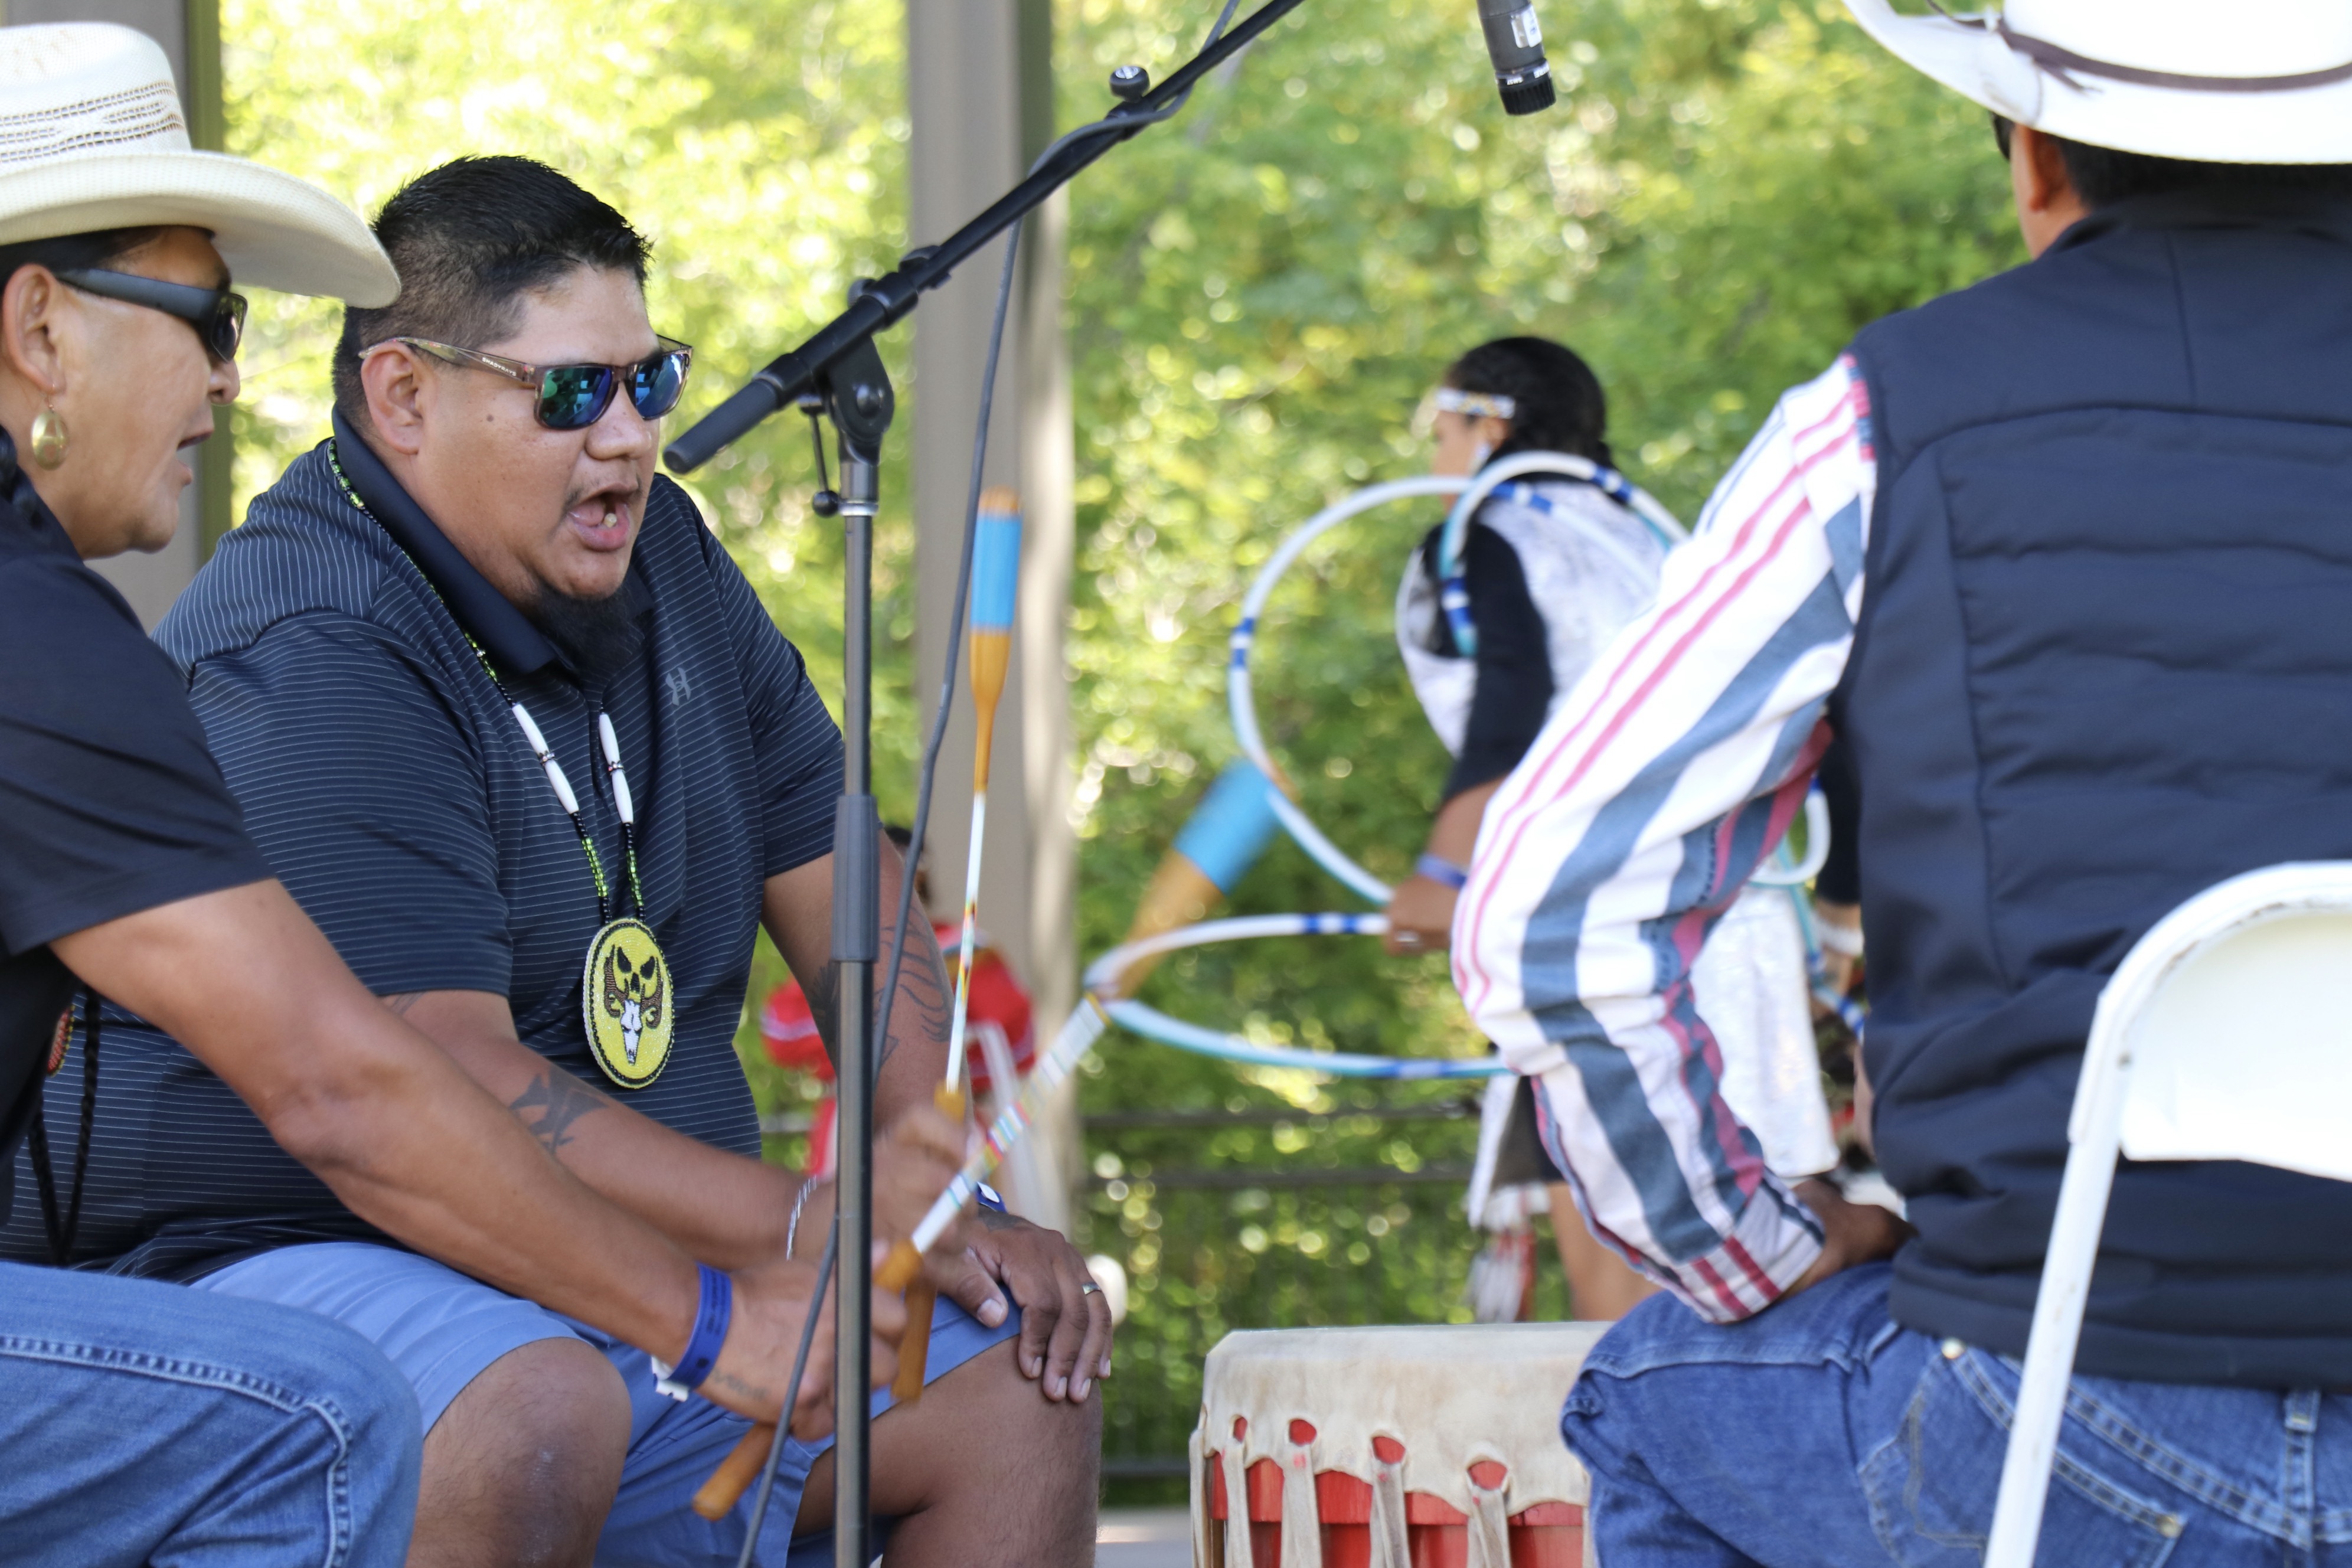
x=1066, y=1327
x=1852, y=1234
x=1065, y=1321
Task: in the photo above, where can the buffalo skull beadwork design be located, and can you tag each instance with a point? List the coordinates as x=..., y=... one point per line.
x=633, y=997
x=627, y=1004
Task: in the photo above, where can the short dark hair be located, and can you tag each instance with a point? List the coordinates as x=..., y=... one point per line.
x=468, y=240
x=1561, y=407
x=98, y=247
x=2103, y=176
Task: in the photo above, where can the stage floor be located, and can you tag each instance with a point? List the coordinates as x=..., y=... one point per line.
x=1144, y=1537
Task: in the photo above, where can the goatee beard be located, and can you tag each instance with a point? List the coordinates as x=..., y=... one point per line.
x=598, y=637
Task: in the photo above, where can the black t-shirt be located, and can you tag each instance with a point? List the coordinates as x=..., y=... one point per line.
x=389, y=785
x=109, y=804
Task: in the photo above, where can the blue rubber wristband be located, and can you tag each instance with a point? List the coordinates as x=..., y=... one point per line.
x=710, y=1320
x=988, y=1196
x=1445, y=873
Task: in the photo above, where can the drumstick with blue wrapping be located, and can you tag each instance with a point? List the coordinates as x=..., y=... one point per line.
x=1227, y=832
x=995, y=585
x=995, y=582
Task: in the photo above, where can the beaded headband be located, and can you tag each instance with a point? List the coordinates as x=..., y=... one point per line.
x=1478, y=405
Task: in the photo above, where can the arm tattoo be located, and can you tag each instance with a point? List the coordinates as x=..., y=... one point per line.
x=922, y=1013
x=402, y=1003
x=922, y=993
x=560, y=1100
x=993, y=1219
x=756, y=1392
x=824, y=995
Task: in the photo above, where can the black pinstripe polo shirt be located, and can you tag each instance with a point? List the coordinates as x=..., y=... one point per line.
x=392, y=790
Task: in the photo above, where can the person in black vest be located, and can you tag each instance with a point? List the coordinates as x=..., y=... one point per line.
x=2064, y=558
x=142, y=1422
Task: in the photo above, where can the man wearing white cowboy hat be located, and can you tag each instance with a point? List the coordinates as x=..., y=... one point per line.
x=2062, y=558
x=142, y=1422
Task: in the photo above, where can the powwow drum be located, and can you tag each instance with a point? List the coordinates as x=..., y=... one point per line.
x=1389, y=1448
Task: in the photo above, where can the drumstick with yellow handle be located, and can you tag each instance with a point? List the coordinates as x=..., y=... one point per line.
x=1222, y=840
x=735, y=1473
x=995, y=583
x=1085, y=1026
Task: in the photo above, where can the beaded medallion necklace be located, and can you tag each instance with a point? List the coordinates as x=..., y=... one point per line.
x=625, y=987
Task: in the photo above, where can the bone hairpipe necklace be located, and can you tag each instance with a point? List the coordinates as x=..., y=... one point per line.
x=627, y=1001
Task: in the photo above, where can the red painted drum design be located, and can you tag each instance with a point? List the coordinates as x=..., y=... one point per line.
x=1389, y=1448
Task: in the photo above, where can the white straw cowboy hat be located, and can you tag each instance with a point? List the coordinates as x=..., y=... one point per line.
x=2256, y=81
x=91, y=138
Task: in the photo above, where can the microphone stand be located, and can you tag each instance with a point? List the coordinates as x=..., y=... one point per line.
x=840, y=364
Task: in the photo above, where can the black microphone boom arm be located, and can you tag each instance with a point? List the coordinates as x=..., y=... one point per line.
x=886, y=301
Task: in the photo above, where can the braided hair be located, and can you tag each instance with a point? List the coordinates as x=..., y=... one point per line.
x=1561, y=407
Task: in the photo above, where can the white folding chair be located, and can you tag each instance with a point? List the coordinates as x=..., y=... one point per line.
x=2226, y=1033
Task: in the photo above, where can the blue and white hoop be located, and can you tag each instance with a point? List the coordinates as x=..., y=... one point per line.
x=1242, y=704
x=1242, y=701
x=1103, y=975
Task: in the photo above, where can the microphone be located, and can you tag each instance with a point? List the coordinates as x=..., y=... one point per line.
x=1514, y=43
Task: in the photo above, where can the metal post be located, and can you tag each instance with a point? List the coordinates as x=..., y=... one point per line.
x=856, y=947
x=860, y=397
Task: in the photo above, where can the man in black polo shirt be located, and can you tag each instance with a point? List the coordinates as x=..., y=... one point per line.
x=503, y=714
x=143, y=1422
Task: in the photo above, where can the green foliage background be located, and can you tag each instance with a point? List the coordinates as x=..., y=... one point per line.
x=1258, y=300
x=1259, y=295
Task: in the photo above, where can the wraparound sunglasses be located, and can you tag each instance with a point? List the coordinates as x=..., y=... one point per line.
x=217, y=314
x=574, y=396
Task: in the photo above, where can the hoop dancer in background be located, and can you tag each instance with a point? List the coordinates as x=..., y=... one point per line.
x=1545, y=597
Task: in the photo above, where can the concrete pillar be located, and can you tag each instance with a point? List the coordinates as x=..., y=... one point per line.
x=189, y=31
x=980, y=100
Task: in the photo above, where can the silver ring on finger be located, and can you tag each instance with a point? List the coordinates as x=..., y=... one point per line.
x=1090, y=1288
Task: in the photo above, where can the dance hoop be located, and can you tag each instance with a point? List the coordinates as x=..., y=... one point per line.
x=1241, y=698
x=1241, y=703
x=1817, y=849
x=1102, y=984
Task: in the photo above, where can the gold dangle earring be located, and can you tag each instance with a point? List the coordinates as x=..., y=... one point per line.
x=49, y=436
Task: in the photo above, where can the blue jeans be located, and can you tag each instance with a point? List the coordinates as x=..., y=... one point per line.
x=1824, y=1433
x=142, y=1424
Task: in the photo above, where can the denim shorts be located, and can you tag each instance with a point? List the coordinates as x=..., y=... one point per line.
x=442, y=1328
x=1823, y=1432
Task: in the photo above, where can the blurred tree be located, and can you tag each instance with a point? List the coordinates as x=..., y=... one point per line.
x=1260, y=295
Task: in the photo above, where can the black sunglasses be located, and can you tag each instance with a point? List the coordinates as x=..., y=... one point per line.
x=574, y=396
x=217, y=314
